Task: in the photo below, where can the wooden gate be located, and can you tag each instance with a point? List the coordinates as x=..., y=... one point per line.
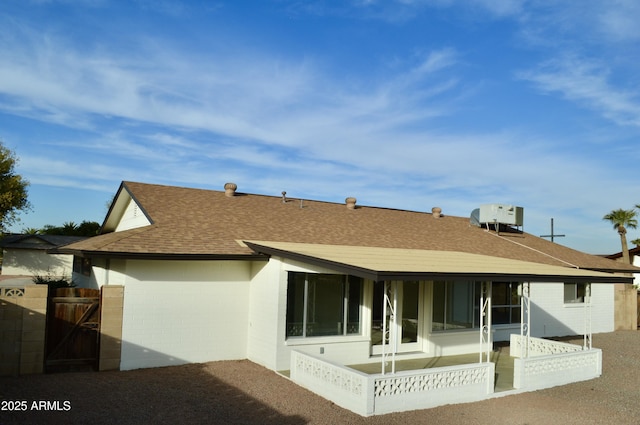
x=73, y=330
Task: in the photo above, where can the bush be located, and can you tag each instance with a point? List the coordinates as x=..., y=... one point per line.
x=53, y=282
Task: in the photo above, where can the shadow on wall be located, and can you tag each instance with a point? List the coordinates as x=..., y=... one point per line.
x=544, y=324
x=36, y=262
x=190, y=393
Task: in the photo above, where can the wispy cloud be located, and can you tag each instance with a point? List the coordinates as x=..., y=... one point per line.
x=246, y=96
x=617, y=20
x=587, y=82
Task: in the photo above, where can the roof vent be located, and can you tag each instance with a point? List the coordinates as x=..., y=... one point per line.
x=230, y=189
x=436, y=212
x=351, y=203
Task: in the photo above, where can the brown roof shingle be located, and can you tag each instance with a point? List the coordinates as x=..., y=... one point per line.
x=196, y=222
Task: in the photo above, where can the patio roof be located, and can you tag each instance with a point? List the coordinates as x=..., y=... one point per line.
x=378, y=264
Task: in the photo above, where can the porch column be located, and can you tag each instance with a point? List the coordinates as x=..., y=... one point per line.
x=389, y=308
x=525, y=319
x=485, y=321
x=587, y=317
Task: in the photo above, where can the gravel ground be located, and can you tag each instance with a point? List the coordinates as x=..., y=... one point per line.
x=241, y=392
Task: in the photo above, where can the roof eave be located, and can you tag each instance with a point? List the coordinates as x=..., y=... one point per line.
x=377, y=275
x=160, y=255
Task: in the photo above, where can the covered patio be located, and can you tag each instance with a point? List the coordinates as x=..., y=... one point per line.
x=390, y=381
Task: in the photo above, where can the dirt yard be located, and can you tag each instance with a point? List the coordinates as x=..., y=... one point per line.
x=240, y=392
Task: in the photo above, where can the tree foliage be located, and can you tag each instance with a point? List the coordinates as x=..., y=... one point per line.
x=622, y=219
x=13, y=189
x=69, y=228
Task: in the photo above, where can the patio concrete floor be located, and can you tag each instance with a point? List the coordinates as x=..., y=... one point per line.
x=500, y=356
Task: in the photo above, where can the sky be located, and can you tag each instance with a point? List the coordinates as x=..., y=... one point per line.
x=406, y=104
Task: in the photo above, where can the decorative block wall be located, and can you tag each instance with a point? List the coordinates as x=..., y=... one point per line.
x=23, y=318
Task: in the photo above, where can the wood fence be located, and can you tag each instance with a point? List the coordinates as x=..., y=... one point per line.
x=73, y=330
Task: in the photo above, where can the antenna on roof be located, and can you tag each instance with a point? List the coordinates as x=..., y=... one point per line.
x=552, y=235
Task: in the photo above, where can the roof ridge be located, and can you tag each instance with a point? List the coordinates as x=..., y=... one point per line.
x=289, y=198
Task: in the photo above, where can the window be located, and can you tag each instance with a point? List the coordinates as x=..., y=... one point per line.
x=505, y=303
x=323, y=305
x=82, y=265
x=574, y=292
x=456, y=304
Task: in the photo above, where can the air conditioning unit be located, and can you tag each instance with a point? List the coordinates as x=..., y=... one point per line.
x=502, y=214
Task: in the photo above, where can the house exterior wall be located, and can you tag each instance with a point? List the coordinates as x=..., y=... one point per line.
x=194, y=311
x=36, y=262
x=550, y=316
x=178, y=312
x=264, y=313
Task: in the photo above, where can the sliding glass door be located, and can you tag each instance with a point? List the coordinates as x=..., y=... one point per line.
x=406, y=299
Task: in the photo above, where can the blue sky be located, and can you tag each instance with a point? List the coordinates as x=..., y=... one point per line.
x=400, y=103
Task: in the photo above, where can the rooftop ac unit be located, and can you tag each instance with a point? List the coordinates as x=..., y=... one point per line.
x=502, y=214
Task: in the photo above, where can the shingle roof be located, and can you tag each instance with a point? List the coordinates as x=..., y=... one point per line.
x=40, y=242
x=201, y=223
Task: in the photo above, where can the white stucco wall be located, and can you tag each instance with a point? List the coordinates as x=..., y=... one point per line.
x=182, y=312
x=550, y=316
x=132, y=218
x=264, y=313
x=179, y=312
x=32, y=262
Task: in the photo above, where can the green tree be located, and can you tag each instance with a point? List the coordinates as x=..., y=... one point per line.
x=30, y=231
x=69, y=228
x=13, y=189
x=88, y=228
x=621, y=220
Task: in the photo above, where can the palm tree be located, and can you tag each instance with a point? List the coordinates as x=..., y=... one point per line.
x=621, y=219
x=30, y=231
x=69, y=228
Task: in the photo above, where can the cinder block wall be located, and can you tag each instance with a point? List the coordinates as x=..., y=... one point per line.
x=23, y=318
x=626, y=307
x=111, y=327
